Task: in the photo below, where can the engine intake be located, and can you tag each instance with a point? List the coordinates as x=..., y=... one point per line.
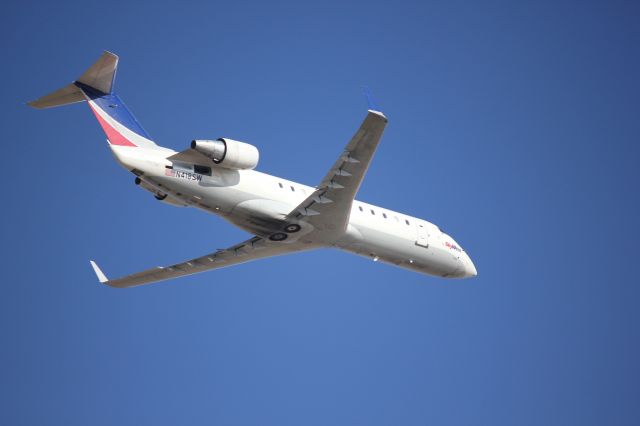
x=228, y=153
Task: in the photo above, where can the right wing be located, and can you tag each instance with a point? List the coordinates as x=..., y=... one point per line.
x=252, y=249
x=329, y=207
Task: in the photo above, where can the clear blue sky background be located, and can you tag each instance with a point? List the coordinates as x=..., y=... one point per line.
x=512, y=125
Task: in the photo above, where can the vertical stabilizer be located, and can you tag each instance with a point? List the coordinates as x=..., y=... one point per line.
x=95, y=86
x=99, y=77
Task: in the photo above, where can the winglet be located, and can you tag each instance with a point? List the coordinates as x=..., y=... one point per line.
x=101, y=276
x=370, y=101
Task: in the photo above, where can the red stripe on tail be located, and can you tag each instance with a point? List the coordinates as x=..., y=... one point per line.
x=115, y=137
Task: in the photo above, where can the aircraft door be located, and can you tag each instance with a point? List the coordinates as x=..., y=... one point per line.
x=422, y=238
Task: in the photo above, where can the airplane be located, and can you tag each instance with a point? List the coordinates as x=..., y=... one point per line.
x=218, y=177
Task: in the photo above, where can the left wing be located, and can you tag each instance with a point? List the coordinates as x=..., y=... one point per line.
x=252, y=249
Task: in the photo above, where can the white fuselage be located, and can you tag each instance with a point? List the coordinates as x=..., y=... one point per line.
x=256, y=202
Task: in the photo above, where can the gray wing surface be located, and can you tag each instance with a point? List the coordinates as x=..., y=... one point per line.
x=252, y=249
x=329, y=207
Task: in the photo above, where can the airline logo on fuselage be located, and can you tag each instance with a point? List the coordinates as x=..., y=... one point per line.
x=452, y=246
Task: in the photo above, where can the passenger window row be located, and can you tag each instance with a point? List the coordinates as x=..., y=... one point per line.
x=373, y=212
x=293, y=189
x=384, y=215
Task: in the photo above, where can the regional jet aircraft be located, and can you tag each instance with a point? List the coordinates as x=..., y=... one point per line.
x=284, y=217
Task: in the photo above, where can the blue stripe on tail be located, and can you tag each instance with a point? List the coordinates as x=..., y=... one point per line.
x=113, y=105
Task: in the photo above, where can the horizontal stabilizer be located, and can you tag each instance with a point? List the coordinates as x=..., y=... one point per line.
x=99, y=77
x=67, y=95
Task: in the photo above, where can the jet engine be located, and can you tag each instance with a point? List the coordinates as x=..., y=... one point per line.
x=160, y=196
x=228, y=153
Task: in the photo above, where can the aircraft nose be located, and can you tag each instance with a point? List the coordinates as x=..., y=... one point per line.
x=469, y=267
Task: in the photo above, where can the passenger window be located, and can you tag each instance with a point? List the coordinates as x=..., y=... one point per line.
x=406, y=221
x=373, y=213
x=384, y=215
x=280, y=185
x=360, y=208
x=293, y=189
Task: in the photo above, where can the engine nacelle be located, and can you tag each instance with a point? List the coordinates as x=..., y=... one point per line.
x=159, y=195
x=229, y=153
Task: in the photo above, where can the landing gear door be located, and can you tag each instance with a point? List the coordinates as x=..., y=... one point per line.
x=422, y=238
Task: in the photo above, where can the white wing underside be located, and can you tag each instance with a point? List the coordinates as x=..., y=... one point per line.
x=327, y=210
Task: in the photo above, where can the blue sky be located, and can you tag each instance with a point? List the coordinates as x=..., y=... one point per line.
x=512, y=125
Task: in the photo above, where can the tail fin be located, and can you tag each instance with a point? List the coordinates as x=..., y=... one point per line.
x=100, y=77
x=96, y=87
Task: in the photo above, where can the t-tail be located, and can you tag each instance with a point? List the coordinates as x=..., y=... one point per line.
x=95, y=87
